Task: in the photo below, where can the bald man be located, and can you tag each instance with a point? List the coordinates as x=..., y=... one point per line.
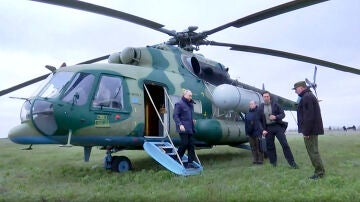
x=183, y=117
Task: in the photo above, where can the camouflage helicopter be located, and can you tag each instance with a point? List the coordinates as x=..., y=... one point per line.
x=142, y=84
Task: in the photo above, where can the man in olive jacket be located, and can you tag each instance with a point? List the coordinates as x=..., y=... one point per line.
x=310, y=125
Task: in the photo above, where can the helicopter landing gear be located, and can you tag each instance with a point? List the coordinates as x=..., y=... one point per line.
x=117, y=163
x=120, y=164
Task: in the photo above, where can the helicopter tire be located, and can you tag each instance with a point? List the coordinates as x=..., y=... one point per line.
x=120, y=164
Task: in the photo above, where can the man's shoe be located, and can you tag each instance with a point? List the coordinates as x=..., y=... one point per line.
x=294, y=166
x=315, y=177
x=191, y=165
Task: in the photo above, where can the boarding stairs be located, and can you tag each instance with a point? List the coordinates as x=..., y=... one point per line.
x=164, y=151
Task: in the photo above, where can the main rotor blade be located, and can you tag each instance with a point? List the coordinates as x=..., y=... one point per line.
x=94, y=60
x=92, y=8
x=268, y=13
x=277, y=53
x=40, y=78
x=22, y=85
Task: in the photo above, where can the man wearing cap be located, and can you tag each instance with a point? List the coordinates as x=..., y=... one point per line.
x=310, y=125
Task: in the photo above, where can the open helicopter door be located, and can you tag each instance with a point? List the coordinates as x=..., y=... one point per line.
x=160, y=147
x=155, y=102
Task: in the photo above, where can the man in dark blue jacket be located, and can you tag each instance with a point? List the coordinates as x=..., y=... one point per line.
x=271, y=115
x=183, y=117
x=254, y=130
x=310, y=125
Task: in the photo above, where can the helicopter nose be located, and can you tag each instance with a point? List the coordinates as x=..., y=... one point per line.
x=43, y=117
x=26, y=133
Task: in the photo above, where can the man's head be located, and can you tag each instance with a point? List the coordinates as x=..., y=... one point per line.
x=188, y=94
x=299, y=87
x=266, y=97
x=252, y=104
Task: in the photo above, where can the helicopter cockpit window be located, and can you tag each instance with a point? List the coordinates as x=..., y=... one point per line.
x=109, y=93
x=79, y=89
x=56, y=85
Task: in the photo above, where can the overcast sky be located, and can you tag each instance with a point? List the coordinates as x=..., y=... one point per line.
x=34, y=34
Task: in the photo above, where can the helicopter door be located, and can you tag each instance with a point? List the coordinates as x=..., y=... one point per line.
x=154, y=95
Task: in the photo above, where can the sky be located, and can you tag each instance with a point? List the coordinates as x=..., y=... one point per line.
x=34, y=34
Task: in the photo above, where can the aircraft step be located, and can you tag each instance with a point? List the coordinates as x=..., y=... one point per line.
x=166, y=154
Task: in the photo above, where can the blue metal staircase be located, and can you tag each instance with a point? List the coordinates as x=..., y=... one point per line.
x=166, y=154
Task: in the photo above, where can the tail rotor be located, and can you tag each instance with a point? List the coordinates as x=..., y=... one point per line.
x=313, y=84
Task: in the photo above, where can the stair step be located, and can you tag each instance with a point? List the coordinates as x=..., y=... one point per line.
x=165, y=146
x=167, y=150
x=161, y=145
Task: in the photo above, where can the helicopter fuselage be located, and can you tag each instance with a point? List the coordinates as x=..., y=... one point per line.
x=139, y=103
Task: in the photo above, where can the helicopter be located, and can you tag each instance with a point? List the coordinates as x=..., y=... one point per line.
x=141, y=81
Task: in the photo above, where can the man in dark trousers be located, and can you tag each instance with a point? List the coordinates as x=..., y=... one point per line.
x=310, y=125
x=271, y=115
x=183, y=117
x=254, y=130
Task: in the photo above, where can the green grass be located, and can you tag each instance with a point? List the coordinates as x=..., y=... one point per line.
x=52, y=173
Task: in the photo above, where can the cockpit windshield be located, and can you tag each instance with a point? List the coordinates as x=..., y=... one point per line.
x=41, y=85
x=79, y=89
x=56, y=85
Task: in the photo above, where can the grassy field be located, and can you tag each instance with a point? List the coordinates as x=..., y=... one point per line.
x=52, y=173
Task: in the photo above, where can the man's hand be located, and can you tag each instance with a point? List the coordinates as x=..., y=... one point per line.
x=182, y=128
x=264, y=133
x=272, y=117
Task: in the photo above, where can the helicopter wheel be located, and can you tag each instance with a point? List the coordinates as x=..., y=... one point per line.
x=120, y=164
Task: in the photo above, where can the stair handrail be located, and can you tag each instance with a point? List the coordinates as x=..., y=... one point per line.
x=166, y=130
